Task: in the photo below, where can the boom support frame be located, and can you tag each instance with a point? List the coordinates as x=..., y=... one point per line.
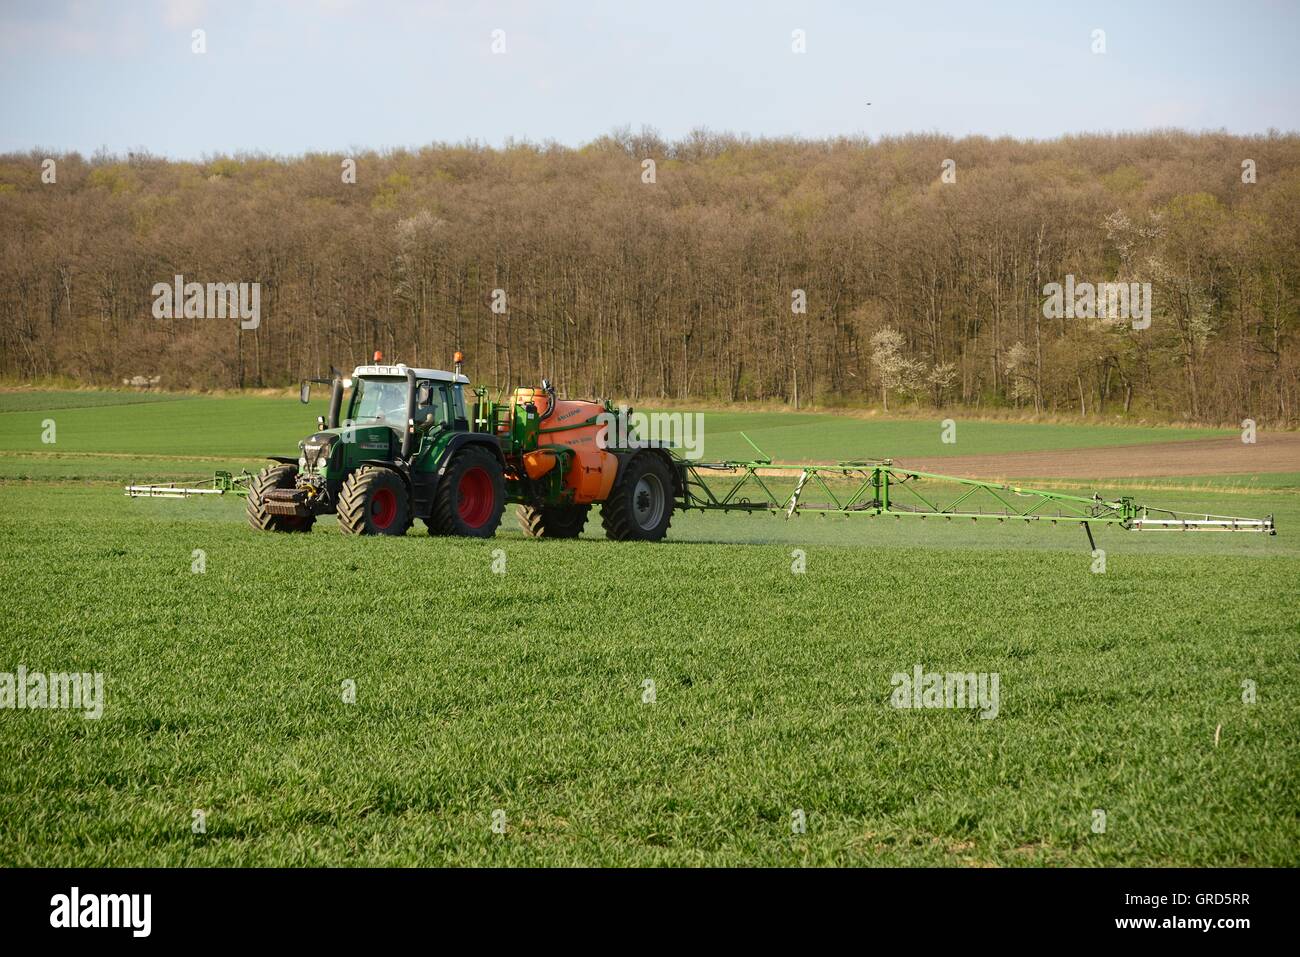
x=883, y=488
x=223, y=483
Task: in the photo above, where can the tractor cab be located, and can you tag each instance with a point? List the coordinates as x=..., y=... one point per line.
x=380, y=412
x=381, y=394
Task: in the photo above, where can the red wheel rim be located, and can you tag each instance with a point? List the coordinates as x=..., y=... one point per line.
x=383, y=508
x=474, y=498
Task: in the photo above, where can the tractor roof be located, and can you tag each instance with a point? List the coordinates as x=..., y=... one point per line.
x=400, y=370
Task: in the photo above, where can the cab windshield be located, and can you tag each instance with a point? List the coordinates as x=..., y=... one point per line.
x=384, y=400
x=381, y=400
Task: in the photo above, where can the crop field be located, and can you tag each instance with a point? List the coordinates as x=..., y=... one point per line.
x=326, y=700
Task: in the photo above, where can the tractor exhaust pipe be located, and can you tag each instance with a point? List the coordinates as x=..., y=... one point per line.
x=408, y=437
x=336, y=402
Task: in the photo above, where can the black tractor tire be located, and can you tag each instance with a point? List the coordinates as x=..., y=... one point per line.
x=471, y=496
x=640, y=505
x=557, y=521
x=374, y=501
x=274, y=476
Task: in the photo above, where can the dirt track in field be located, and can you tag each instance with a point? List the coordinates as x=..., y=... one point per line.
x=1276, y=452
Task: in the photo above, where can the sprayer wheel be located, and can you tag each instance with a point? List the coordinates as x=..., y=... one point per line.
x=640, y=505
x=553, y=521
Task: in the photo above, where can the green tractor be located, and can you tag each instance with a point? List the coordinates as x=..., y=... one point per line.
x=402, y=444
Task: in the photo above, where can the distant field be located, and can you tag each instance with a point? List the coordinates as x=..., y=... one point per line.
x=827, y=437
x=169, y=438
x=1264, y=481
x=241, y=426
x=523, y=692
x=45, y=400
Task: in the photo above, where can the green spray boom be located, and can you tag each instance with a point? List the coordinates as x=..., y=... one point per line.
x=875, y=488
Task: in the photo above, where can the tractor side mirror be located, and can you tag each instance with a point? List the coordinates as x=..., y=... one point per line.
x=423, y=394
x=304, y=392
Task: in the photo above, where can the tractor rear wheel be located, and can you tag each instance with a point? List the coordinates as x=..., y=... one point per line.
x=557, y=521
x=640, y=505
x=373, y=501
x=471, y=496
x=274, y=476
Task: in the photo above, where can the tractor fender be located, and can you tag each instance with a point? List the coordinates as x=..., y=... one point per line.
x=385, y=464
x=462, y=439
x=283, y=459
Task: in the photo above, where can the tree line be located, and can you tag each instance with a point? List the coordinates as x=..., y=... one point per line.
x=903, y=271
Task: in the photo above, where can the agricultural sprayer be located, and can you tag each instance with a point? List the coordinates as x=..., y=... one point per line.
x=403, y=444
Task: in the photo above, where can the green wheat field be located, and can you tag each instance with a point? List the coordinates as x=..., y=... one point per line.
x=521, y=697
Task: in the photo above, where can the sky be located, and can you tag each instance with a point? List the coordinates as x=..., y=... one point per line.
x=293, y=76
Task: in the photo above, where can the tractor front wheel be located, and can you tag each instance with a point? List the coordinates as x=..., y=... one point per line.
x=471, y=496
x=558, y=521
x=274, y=476
x=640, y=505
x=373, y=501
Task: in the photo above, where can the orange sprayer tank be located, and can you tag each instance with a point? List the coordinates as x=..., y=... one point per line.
x=591, y=475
